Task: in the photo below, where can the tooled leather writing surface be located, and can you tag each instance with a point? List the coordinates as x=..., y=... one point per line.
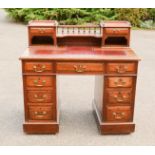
x=85, y=53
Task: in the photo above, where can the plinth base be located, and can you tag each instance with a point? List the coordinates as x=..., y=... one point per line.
x=112, y=128
x=41, y=128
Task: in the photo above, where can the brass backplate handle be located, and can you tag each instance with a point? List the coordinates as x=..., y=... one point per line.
x=39, y=69
x=42, y=30
x=118, y=115
x=121, y=69
x=36, y=83
x=120, y=83
x=40, y=98
x=120, y=97
x=40, y=112
x=79, y=68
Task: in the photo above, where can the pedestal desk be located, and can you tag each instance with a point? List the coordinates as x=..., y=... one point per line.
x=101, y=50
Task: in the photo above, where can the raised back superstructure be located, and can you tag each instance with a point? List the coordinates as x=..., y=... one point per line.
x=49, y=33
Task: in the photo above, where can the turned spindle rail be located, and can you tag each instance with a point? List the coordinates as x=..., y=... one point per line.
x=77, y=30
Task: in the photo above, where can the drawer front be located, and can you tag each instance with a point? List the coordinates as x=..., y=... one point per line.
x=40, y=96
x=120, y=82
x=119, y=113
x=41, y=31
x=119, y=96
x=41, y=113
x=116, y=31
x=121, y=68
x=79, y=67
x=39, y=81
x=38, y=67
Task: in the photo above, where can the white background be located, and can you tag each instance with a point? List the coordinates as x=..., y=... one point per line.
x=89, y=150
x=77, y=3
x=77, y=150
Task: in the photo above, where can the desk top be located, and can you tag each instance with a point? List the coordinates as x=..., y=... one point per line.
x=80, y=53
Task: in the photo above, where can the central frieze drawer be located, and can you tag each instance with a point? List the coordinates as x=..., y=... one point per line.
x=119, y=113
x=38, y=67
x=39, y=81
x=41, y=113
x=121, y=68
x=71, y=67
x=119, y=82
x=40, y=96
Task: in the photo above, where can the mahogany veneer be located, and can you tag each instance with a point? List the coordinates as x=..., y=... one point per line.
x=114, y=67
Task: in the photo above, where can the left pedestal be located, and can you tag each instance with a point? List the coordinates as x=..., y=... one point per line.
x=39, y=83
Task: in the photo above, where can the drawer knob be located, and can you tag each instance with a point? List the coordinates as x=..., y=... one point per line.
x=121, y=69
x=39, y=69
x=120, y=83
x=37, y=82
x=79, y=68
x=40, y=98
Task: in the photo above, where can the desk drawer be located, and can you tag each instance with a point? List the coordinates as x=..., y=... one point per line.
x=42, y=31
x=119, y=96
x=116, y=31
x=121, y=68
x=38, y=67
x=41, y=113
x=40, y=96
x=119, y=82
x=70, y=67
x=119, y=113
x=39, y=81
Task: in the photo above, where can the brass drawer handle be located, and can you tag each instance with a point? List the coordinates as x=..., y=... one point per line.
x=120, y=97
x=79, y=68
x=39, y=69
x=41, y=30
x=120, y=83
x=40, y=98
x=114, y=30
x=36, y=83
x=41, y=113
x=121, y=69
x=118, y=115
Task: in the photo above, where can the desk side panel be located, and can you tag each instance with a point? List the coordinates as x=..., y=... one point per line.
x=98, y=93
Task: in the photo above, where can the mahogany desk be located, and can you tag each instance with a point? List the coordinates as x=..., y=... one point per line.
x=115, y=70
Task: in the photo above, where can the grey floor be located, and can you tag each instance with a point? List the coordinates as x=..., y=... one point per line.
x=78, y=126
